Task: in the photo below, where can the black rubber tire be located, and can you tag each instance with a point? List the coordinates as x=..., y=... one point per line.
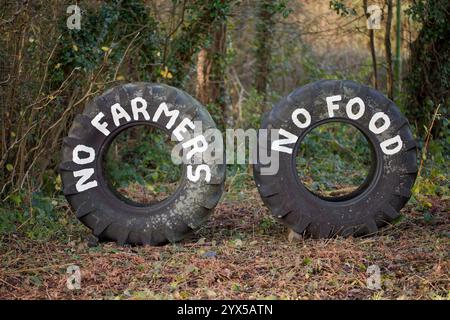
x=109, y=216
x=385, y=191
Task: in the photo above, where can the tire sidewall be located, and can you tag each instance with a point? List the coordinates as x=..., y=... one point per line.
x=384, y=182
x=184, y=209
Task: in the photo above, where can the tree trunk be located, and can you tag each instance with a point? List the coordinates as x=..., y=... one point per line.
x=210, y=88
x=264, y=38
x=372, y=50
x=398, y=57
x=387, y=46
x=203, y=76
x=190, y=38
x=427, y=84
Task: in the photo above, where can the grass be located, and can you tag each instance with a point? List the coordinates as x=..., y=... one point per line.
x=242, y=253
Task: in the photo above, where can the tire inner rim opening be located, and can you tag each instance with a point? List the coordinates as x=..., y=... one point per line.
x=137, y=165
x=335, y=161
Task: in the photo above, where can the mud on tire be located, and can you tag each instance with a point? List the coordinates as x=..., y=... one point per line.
x=109, y=216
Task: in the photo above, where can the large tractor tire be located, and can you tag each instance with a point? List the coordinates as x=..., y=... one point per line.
x=107, y=214
x=384, y=192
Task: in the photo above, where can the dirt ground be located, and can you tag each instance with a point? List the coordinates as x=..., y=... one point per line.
x=240, y=254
